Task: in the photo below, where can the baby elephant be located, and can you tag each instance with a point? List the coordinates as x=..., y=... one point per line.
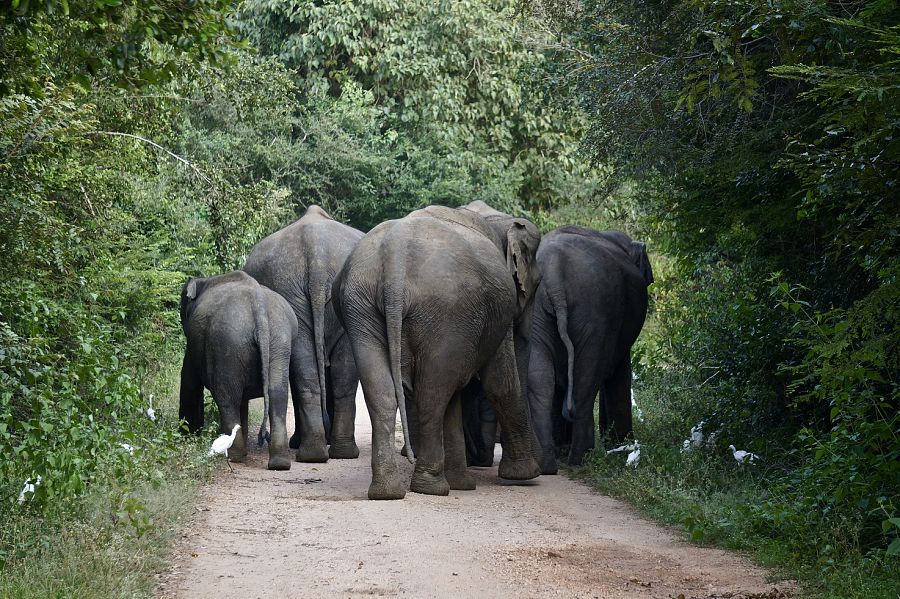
x=239, y=337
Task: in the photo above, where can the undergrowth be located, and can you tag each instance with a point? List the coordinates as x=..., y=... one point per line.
x=753, y=507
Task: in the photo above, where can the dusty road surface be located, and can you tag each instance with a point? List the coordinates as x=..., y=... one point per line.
x=311, y=532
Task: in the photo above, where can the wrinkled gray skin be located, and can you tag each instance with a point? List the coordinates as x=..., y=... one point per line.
x=300, y=262
x=428, y=302
x=479, y=419
x=589, y=310
x=239, y=337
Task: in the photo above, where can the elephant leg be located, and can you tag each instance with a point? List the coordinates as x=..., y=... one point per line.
x=309, y=435
x=190, y=403
x=378, y=386
x=584, y=390
x=455, y=447
x=279, y=380
x=541, y=394
x=432, y=399
x=500, y=379
x=344, y=380
x=489, y=431
x=228, y=396
x=615, y=403
x=245, y=422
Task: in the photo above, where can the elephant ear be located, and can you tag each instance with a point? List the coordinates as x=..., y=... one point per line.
x=190, y=290
x=520, y=262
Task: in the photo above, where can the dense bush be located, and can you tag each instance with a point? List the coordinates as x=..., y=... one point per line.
x=763, y=139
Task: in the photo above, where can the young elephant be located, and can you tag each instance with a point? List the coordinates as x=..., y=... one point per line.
x=588, y=311
x=239, y=336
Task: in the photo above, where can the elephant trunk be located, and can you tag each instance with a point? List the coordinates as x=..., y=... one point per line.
x=262, y=338
x=394, y=292
x=558, y=301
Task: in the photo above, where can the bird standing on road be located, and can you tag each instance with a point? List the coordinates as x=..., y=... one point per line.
x=742, y=457
x=223, y=443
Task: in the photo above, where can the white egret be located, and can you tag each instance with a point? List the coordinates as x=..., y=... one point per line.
x=151, y=413
x=627, y=447
x=29, y=488
x=223, y=443
x=635, y=456
x=127, y=448
x=696, y=438
x=741, y=456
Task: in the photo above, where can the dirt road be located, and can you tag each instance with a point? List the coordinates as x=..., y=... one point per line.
x=311, y=532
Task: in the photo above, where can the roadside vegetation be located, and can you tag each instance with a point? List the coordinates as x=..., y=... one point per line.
x=753, y=145
x=759, y=140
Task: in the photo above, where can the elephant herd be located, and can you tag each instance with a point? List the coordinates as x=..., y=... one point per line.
x=465, y=320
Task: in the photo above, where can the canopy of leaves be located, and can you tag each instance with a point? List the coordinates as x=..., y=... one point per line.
x=451, y=72
x=764, y=136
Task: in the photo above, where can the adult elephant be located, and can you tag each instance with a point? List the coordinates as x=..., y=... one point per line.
x=588, y=311
x=239, y=336
x=428, y=302
x=300, y=262
x=479, y=419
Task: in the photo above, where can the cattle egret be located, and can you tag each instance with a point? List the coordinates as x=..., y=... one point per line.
x=29, y=488
x=127, y=448
x=151, y=413
x=627, y=447
x=635, y=456
x=223, y=443
x=741, y=456
x=696, y=438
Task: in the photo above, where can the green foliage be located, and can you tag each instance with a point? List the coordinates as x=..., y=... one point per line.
x=129, y=43
x=765, y=509
x=763, y=137
x=449, y=75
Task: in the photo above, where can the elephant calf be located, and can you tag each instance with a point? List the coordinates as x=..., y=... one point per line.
x=239, y=337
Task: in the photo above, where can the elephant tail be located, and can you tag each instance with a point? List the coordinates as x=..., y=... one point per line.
x=638, y=254
x=263, y=337
x=319, y=296
x=394, y=294
x=558, y=301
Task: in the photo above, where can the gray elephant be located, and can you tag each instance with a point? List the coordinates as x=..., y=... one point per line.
x=300, y=262
x=589, y=310
x=239, y=337
x=428, y=302
x=479, y=419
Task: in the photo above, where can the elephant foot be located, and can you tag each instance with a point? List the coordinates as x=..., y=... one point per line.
x=523, y=469
x=279, y=462
x=294, y=442
x=548, y=465
x=387, y=485
x=482, y=461
x=576, y=458
x=429, y=484
x=312, y=452
x=343, y=450
x=460, y=480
